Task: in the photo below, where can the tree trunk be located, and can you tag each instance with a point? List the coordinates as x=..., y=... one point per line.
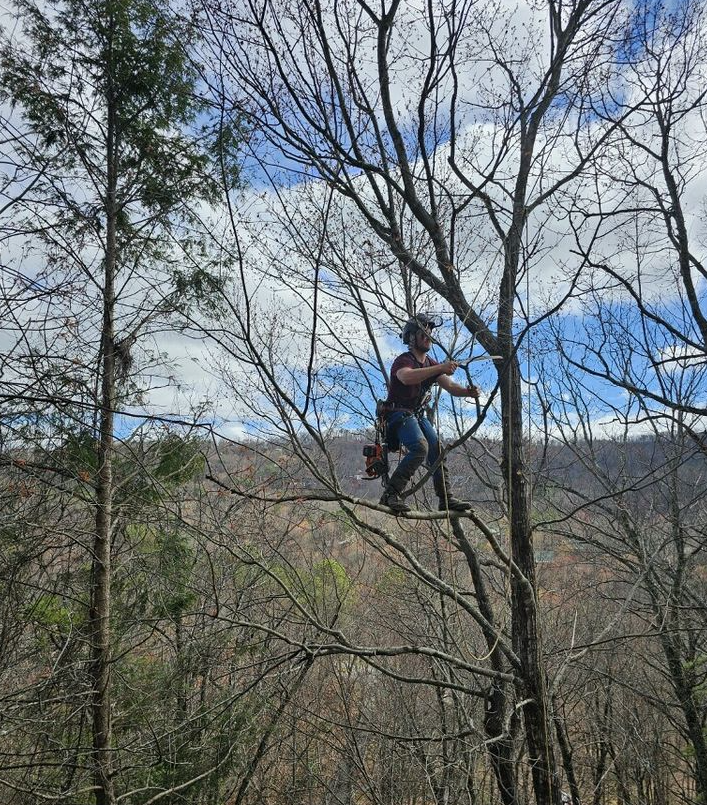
x=100, y=593
x=101, y=580
x=527, y=642
x=685, y=693
x=500, y=746
x=567, y=759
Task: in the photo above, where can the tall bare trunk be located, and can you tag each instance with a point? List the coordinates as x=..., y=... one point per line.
x=497, y=721
x=527, y=642
x=101, y=577
x=100, y=593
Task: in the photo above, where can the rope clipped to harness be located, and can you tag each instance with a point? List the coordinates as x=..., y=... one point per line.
x=376, y=454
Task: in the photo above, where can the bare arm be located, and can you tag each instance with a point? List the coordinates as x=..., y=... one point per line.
x=411, y=377
x=456, y=390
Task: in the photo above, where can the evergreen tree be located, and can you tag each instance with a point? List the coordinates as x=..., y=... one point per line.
x=103, y=119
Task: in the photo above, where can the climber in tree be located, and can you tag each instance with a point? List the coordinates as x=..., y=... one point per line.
x=412, y=375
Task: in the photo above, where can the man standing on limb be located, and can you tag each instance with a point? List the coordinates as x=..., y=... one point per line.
x=411, y=376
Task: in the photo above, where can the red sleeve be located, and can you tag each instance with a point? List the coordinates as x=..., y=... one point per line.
x=404, y=361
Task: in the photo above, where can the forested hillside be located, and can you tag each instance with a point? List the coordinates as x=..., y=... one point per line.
x=286, y=653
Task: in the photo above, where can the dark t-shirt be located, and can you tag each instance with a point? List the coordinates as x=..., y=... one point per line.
x=409, y=396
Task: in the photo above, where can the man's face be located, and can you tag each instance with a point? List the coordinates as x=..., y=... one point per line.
x=423, y=340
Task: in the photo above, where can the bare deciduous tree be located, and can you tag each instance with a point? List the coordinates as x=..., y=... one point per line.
x=447, y=139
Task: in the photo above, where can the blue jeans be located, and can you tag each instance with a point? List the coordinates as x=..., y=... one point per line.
x=420, y=440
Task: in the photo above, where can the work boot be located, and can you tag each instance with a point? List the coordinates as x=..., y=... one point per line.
x=392, y=496
x=452, y=504
x=447, y=501
x=394, y=502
